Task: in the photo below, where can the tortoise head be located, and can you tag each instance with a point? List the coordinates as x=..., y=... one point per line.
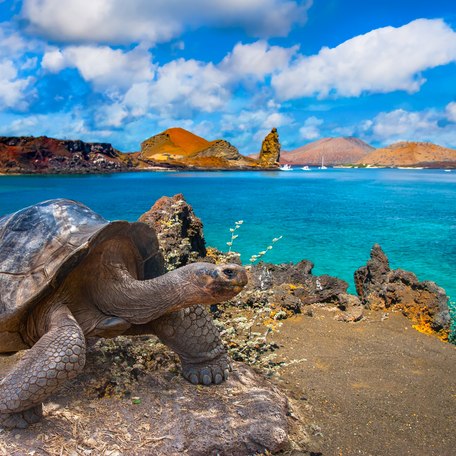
x=211, y=283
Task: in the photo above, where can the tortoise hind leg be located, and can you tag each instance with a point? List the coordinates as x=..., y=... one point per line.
x=57, y=356
x=191, y=333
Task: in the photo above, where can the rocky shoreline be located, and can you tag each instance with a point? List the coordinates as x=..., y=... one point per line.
x=289, y=288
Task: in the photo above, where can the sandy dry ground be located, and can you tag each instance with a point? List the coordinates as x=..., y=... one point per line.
x=370, y=388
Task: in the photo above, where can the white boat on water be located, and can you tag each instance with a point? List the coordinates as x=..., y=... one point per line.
x=286, y=168
x=322, y=163
x=305, y=168
x=447, y=170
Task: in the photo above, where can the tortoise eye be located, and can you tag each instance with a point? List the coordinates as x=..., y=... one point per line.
x=229, y=272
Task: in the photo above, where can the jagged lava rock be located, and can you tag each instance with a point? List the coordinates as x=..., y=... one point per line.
x=381, y=288
x=306, y=287
x=179, y=230
x=270, y=149
x=28, y=154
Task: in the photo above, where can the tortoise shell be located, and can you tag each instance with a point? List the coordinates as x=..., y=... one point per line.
x=41, y=244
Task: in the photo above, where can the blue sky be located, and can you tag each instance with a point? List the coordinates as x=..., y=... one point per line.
x=120, y=72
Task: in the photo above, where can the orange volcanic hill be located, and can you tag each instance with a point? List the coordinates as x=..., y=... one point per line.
x=333, y=151
x=174, y=141
x=177, y=147
x=413, y=154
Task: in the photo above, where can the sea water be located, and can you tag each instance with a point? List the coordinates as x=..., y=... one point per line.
x=331, y=217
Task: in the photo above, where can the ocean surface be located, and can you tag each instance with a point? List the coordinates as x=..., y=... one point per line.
x=331, y=217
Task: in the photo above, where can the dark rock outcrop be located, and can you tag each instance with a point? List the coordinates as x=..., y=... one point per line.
x=298, y=281
x=270, y=149
x=28, y=154
x=179, y=230
x=381, y=288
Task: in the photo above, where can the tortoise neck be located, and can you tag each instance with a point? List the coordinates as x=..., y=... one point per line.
x=140, y=301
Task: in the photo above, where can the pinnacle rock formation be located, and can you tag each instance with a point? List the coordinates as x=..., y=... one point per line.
x=270, y=149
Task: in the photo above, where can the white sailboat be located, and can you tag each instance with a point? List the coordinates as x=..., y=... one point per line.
x=286, y=167
x=305, y=168
x=322, y=163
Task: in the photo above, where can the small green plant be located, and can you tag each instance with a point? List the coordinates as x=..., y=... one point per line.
x=237, y=225
x=261, y=254
x=234, y=236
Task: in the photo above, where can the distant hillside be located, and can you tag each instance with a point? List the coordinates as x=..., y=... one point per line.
x=28, y=154
x=334, y=151
x=412, y=154
x=177, y=147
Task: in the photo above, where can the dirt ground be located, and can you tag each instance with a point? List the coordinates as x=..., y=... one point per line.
x=375, y=387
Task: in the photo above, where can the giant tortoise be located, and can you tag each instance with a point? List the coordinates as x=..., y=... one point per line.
x=66, y=274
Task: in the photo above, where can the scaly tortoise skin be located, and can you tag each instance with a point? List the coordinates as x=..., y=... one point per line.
x=66, y=274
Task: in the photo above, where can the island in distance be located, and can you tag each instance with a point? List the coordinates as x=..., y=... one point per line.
x=350, y=151
x=333, y=151
x=176, y=148
x=411, y=154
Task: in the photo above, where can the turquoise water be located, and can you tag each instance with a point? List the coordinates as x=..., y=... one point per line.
x=330, y=217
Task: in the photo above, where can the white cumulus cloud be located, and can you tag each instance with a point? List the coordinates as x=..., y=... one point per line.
x=104, y=67
x=311, y=128
x=451, y=111
x=256, y=59
x=13, y=89
x=16, y=89
x=381, y=61
x=401, y=125
x=120, y=21
x=134, y=86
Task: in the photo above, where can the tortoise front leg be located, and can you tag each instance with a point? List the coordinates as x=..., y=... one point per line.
x=58, y=355
x=191, y=333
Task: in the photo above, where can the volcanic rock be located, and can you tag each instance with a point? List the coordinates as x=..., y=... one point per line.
x=27, y=154
x=299, y=281
x=270, y=149
x=381, y=288
x=179, y=230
